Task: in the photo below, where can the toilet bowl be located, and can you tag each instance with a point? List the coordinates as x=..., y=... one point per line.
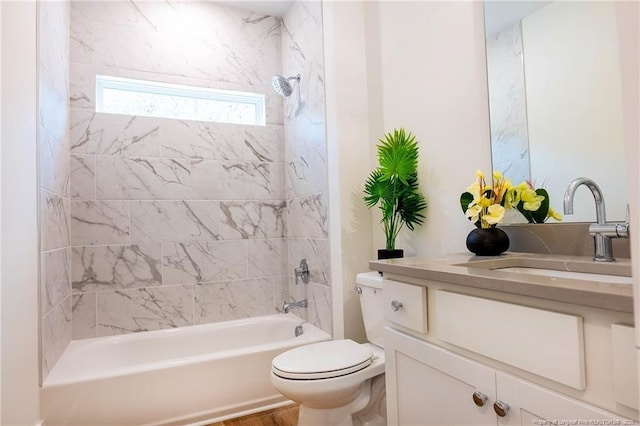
x=339, y=382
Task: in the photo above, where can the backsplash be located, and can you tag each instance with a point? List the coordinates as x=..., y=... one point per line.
x=571, y=239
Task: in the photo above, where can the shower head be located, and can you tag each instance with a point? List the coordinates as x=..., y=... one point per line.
x=281, y=85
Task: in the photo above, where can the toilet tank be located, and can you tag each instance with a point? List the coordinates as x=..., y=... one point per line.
x=372, y=304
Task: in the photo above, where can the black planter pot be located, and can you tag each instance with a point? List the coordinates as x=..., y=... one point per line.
x=487, y=242
x=390, y=254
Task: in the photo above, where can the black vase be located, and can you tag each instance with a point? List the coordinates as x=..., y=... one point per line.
x=487, y=242
x=390, y=254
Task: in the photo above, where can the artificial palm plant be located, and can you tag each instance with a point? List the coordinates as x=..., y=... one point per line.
x=394, y=185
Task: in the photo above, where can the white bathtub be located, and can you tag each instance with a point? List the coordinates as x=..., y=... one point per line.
x=188, y=375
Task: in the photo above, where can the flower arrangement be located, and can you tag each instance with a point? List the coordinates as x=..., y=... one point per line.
x=533, y=203
x=485, y=205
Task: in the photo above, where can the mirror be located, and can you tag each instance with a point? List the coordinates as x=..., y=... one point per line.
x=555, y=100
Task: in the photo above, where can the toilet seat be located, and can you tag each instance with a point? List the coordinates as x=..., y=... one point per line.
x=322, y=360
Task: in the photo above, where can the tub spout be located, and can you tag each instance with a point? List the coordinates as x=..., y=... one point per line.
x=288, y=306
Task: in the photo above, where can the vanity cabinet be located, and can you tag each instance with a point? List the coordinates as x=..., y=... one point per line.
x=529, y=403
x=429, y=385
x=462, y=356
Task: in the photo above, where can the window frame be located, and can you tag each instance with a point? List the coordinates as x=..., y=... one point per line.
x=170, y=89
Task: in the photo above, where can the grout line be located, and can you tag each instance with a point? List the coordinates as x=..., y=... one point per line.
x=96, y=323
x=193, y=304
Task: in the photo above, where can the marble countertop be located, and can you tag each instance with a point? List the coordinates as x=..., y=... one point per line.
x=465, y=269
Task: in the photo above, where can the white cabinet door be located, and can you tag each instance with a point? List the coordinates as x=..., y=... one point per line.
x=531, y=404
x=427, y=385
x=431, y=386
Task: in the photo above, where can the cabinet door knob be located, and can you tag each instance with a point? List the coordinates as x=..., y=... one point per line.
x=395, y=305
x=479, y=398
x=501, y=408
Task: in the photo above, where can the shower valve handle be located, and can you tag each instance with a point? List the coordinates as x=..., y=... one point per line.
x=302, y=271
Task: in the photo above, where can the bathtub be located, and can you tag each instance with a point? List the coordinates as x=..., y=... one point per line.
x=188, y=375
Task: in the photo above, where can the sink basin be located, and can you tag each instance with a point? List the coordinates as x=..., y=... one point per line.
x=568, y=274
x=563, y=268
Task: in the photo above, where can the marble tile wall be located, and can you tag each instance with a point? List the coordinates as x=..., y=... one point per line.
x=174, y=222
x=507, y=103
x=190, y=235
x=54, y=170
x=194, y=43
x=306, y=159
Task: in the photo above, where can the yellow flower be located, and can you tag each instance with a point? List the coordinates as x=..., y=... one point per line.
x=531, y=200
x=495, y=214
x=512, y=197
x=554, y=214
x=474, y=190
x=473, y=213
x=487, y=201
x=484, y=202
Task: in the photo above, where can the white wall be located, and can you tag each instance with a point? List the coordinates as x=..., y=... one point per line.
x=19, y=275
x=627, y=16
x=0, y=222
x=433, y=83
x=562, y=81
x=388, y=65
x=349, y=146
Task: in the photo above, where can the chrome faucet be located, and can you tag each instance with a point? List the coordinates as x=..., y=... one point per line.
x=303, y=272
x=288, y=306
x=601, y=230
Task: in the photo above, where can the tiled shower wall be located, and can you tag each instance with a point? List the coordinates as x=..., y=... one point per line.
x=53, y=151
x=174, y=222
x=306, y=156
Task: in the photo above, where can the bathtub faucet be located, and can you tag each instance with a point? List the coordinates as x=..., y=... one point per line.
x=288, y=306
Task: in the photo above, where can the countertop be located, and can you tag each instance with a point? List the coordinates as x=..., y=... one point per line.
x=465, y=269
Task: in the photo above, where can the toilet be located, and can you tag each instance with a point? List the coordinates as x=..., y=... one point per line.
x=339, y=382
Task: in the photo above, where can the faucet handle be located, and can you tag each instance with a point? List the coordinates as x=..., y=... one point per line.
x=302, y=272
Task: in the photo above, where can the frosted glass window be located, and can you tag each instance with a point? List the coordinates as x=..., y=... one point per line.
x=152, y=99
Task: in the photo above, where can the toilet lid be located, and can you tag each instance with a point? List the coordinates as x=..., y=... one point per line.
x=322, y=360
